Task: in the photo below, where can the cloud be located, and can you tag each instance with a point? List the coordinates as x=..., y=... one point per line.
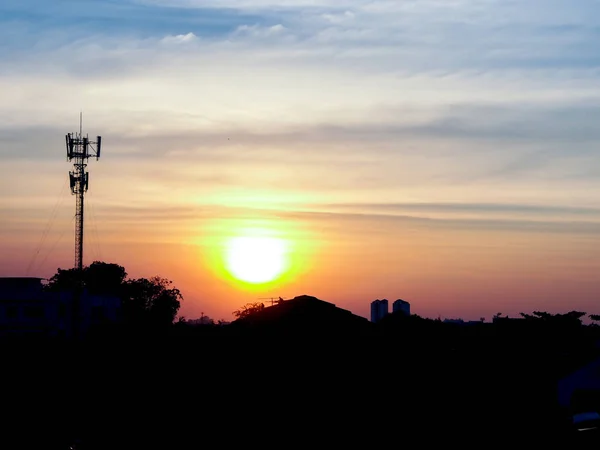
x=339, y=225
x=247, y=4
x=361, y=37
x=169, y=221
x=413, y=36
x=391, y=161
x=257, y=31
x=424, y=100
x=555, y=212
x=179, y=39
x=337, y=216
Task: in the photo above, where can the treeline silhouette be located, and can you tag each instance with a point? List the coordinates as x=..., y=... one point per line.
x=302, y=372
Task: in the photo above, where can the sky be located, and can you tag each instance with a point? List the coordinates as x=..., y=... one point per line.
x=444, y=152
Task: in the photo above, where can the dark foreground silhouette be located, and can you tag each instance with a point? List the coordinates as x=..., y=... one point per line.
x=301, y=375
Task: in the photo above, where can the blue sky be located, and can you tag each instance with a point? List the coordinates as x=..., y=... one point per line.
x=462, y=113
x=76, y=19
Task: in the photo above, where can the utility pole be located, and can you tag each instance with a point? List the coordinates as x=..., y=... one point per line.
x=79, y=150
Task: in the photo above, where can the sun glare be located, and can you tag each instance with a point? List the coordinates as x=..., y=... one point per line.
x=256, y=259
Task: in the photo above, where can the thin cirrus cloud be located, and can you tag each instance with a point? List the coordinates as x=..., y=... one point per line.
x=458, y=102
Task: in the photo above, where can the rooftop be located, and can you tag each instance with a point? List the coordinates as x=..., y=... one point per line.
x=20, y=282
x=305, y=311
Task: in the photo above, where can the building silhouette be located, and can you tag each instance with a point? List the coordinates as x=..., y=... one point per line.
x=379, y=309
x=26, y=308
x=401, y=306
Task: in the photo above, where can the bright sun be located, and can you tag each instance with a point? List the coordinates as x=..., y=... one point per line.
x=256, y=259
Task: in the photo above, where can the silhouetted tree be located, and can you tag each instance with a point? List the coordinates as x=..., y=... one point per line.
x=151, y=301
x=595, y=317
x=248, y=309
x=65, y=280
x=202, y=320
x=574, y=315
x=571, y=318
x=104, y=278
x=98, y=278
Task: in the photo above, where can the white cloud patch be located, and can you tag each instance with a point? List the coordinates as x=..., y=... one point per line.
x=259, y=31
x=274, y=33
x=179, y=39
x=334, y=18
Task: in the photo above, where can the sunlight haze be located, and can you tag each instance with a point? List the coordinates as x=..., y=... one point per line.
x=444, y=153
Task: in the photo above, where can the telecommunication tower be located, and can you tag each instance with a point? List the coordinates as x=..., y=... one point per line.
x=79, y=150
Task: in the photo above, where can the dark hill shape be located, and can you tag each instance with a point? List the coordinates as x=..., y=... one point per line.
x=306, y=315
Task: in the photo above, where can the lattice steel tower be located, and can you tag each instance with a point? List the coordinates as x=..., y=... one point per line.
x=79, y=150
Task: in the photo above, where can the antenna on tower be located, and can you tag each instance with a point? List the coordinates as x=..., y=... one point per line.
x=79, y=150
x=274, y=300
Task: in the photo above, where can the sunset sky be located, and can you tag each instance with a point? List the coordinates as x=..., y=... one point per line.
x=440, y=151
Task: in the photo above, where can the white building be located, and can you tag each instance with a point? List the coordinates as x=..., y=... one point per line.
x=401, y=306
x=26, y=308
x=379, y=309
